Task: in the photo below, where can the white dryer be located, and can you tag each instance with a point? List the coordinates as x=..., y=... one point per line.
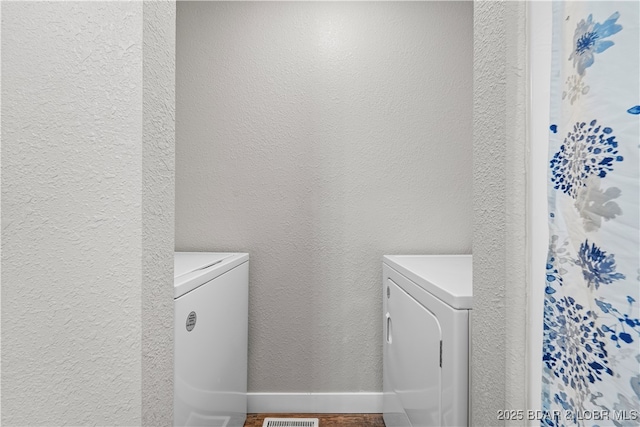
x=426, y=302
x=211, y=336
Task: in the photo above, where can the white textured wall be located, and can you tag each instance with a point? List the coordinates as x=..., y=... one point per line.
x=318, y=137
x=75, y=180
x=499, y=359
x=71, y=184
x=158, y=184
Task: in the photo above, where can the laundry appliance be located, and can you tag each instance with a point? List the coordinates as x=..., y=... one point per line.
x=426, y=306
x=210, y=330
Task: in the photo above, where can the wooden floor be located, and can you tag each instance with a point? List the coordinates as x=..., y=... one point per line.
x=326, y=420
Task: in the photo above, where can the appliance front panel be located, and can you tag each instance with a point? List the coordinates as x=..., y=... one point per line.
x=412, y=348
x=211, y=330
x=454, y=373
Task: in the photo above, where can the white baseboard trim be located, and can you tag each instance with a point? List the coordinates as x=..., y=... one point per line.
x=321, y=403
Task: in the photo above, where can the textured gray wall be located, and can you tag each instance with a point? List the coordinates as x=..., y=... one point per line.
x=499, y=356
x=87, y=218
x=71, y=218
x=318, y=137
x=158, y=172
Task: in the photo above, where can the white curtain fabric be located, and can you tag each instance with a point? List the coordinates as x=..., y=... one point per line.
x=591, y=349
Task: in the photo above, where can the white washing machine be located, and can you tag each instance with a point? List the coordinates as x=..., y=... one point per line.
x=211, y=336
x=426, y=302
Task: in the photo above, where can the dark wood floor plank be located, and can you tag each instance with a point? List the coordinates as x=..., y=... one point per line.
x=326, y=420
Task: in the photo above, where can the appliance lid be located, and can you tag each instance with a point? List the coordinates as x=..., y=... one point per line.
x=194, y=269
x=188, y=262
x=447, y=277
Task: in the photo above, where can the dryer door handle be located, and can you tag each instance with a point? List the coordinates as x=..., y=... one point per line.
x=389, y=338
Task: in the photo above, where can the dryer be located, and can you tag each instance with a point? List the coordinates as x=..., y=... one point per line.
x=211, y=336
x=426, y=304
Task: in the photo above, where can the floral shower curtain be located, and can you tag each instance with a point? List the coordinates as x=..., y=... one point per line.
x=591, y=349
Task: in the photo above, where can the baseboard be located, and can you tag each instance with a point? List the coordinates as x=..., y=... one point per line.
x=320, y=403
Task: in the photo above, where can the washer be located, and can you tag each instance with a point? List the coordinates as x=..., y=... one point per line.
x=426, y=303
x=211, y=336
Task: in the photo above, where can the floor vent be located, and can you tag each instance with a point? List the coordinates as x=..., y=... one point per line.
x=290, y=422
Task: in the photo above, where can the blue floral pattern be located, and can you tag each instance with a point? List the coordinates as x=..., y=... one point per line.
x=589, y=39
x=623, y=325
x=587, y=150
x=574, y=346
x=591, y=319
x=598, y=268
